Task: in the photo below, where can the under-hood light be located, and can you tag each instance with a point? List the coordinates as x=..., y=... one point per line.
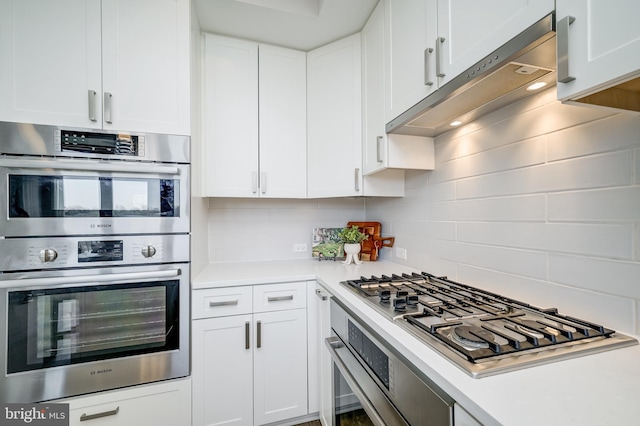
x=536, y=86
x=455, y=123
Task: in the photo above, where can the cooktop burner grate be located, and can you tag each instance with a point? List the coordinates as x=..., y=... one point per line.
x=482, y=332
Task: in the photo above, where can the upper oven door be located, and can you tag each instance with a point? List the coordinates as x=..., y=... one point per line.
x=52, y=197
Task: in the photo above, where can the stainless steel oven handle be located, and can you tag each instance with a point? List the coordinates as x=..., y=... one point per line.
x=91, y=166
x=373, y=400
x=30, y=282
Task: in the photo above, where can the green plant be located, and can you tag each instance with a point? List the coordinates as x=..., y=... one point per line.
x=352, y=235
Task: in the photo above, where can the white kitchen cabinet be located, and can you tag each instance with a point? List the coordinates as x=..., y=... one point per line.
x=409, y=43
x=254, y=119
x=102, y=64
x=603, y=43
x=249, y=362
x=334, y=140
x=382, y=151
x=164, y=403
x=430, y=42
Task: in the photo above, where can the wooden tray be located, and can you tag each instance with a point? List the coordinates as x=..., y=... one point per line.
x=375, y=242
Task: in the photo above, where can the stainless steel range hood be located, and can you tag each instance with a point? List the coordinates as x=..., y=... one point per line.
x=497, y=80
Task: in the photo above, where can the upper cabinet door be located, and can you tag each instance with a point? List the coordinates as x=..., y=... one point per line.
x=468, y=30
x=51, y=61
x=230, y=117
x=603, y=45
x=334, y=106
x=283, y=122
x=410, y=41
x=146, y=65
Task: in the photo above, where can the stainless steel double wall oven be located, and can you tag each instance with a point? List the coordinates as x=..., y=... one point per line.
x=94, y=260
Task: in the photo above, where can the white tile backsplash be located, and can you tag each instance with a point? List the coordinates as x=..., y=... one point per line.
x=539, y=201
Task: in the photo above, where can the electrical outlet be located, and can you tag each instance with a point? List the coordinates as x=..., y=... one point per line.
x=300, y=248
x=401, y=253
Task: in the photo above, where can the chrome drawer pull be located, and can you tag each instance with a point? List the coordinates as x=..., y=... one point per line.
x=279, y=298
x=84, y=417
x=223, y=303
x=320, y=294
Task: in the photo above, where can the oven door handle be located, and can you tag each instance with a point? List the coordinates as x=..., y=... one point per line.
x=91, y=166
x=373, y=400
x=31, y=282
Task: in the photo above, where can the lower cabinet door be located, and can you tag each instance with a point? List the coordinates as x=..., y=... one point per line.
x=222, y=371
x=165, y=403
x=280, y=365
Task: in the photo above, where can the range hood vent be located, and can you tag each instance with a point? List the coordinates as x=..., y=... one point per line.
x=497, y=80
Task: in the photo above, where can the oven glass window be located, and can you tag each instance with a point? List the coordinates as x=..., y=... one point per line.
x=53, y=327
x=76, y=196
x=347, y=409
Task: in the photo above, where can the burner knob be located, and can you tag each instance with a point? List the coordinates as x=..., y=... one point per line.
x=400, y=304
x=385, y=296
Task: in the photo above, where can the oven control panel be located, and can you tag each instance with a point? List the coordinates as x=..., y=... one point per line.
x=30, y=254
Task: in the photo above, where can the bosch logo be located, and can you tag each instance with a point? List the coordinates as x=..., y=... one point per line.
x=100, y=225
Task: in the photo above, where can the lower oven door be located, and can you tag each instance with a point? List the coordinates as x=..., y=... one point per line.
x=89, y=330
x=357, y=398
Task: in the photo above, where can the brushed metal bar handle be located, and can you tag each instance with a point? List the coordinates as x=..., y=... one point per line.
x=263, y=182
x=259, y=334
x=356, y=177
x=90, y=279
x=223, y=303
x=89, y=166
x=247, y=332
x=108, y=97
x=92, y=105
x=427, y=54
x=254, y=182
x=85, y=417
x=378, y=146
x=439, y=42
x=279, y=298
x=320, y=294
x=562, y=40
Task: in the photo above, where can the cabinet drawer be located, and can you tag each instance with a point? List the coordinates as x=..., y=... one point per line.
x=278, y=297
x=219, y=302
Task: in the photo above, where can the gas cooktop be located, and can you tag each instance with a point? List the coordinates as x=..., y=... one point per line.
x=481, y=332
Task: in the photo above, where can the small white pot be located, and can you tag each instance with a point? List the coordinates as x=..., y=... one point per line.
x=352, y=251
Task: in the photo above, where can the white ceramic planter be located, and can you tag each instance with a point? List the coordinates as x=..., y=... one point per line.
x=353, y=253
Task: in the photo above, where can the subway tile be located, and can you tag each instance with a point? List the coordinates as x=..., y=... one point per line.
x=532, y=264
x=611, y=311
x=603, y=275
x=518, y=208
x=610, y=205
x=611, y=169
x=605, y=240
x=237, y=215
x=607, y=134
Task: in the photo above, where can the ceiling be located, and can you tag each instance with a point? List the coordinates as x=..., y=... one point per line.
x=298, y=24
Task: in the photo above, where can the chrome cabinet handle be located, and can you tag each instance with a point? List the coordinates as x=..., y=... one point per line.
x=279, y=298
x=107, y=107
x=427, y=53
x=263, y=182
x=254, y=182
x=259, y=334
x=356, y=176
x=92, y=105
x=247, y=332
x=223, y=303
x=439, y=42
x=562, y=40
x=378, y=146
x=320, y=294
x=84, y=417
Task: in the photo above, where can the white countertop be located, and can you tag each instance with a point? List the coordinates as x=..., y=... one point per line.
x=598, y=389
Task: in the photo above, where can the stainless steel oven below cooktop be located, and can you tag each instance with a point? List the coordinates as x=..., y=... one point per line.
x=481, y=332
